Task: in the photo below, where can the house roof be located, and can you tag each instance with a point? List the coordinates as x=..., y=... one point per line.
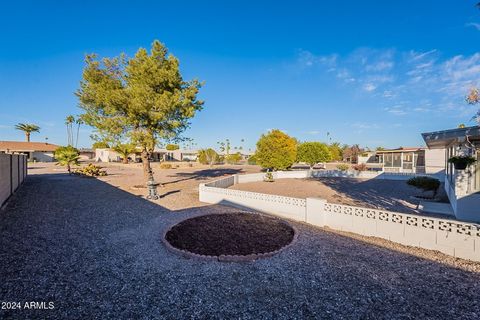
x=401, y=149
x=441, y=139
x=23, y=146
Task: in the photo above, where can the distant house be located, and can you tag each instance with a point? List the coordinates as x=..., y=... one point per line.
x=86, y=154
x=36, y=151
x=462, y=186
x=406, y=160
x=159, y=154
x=162, y=154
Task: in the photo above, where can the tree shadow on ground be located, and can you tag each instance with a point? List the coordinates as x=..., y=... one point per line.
x=205, y=174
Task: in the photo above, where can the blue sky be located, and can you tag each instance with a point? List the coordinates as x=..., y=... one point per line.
x=377, y=73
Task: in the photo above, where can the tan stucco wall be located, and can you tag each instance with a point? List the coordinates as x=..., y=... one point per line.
x=434, y=160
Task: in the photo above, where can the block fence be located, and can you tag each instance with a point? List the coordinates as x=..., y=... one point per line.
x=13, y=170
x=452, y=237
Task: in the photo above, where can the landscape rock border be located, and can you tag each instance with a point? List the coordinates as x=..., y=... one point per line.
x=228, y=258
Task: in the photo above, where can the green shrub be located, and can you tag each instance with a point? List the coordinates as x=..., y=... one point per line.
x=268, y=177
x=343, y=167
x=91, y=170
x=234, y=158
x=360, y=167
x=276, y=150
x=461, y=162
x=425, y=183
x=165, y=166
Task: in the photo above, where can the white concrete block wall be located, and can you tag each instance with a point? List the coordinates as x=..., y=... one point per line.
x=287, y=207
x=451, y=237
x=244, y=178
x=447, y=236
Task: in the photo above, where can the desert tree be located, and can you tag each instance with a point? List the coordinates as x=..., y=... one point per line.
x=172, y=147
x=313, y=153
x=100, y=145
x=27, y=128
x=276, y=150
x=473, y=98
x=336, y=151
x=125, y=150
x=208, y=156
x=142, y=99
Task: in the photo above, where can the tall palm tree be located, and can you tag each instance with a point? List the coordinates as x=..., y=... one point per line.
x=69, y=120
x=27, y=129
x=79, y=122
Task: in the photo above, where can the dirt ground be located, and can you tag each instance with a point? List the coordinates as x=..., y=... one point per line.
x=378, y=194
x=179, y=186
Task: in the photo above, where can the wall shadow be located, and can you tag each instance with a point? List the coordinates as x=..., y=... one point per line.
x=391, y=195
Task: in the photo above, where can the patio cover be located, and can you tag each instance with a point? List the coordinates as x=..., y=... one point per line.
x=444, y=138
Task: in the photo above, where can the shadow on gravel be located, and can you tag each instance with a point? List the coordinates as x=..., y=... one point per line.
x=203, y=174
x=387, y=194
x=95, y=251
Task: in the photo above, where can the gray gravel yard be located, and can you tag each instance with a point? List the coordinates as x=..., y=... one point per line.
x=95, y=251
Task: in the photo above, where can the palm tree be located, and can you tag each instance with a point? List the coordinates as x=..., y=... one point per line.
x=125, y=150
x=69, y=120
x=27, y=129
x=79, y=122
x=67, y=156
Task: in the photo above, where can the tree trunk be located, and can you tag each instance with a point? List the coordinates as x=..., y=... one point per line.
x=27, y=136
x=125, y=160
x=78, y=132
x=69, y=169
x=147, y=169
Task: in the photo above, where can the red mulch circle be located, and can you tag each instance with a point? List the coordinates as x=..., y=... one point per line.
x=230, y=234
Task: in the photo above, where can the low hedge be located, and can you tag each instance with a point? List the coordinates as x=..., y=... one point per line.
x=425, y=183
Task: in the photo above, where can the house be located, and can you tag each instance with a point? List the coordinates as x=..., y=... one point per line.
x=86, y=154
x=159, y=154
x=461, y=186
x=36, y=151
x=163, y=154
x=406, y=160
x=110, y=155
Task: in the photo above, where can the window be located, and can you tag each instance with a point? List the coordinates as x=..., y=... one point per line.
x=388, y=160
x=408, y=157
x=397, y=160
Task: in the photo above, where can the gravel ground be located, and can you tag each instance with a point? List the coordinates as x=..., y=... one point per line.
x=378, y=194
x=179, y=188
x=95, y=251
